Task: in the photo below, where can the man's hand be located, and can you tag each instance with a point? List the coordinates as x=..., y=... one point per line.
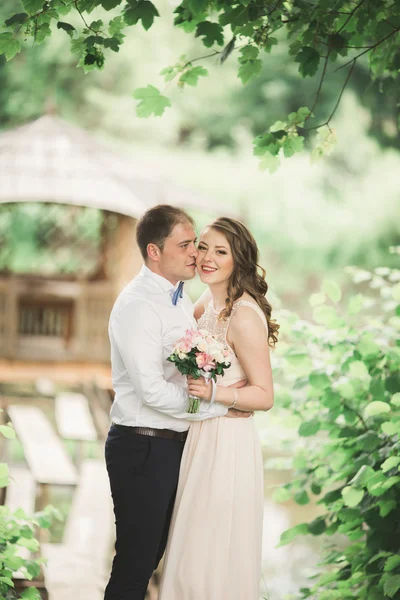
x=233, y=413
x=238, y=414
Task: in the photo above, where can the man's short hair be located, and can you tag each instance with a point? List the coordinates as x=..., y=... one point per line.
x=157, y=224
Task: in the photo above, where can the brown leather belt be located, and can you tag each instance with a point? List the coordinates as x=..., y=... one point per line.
x=168, y=434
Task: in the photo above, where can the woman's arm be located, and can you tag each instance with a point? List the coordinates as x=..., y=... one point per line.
x=249, y=340
x=200, y=305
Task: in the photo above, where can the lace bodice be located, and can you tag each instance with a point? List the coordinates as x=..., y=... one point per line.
x=219, y=328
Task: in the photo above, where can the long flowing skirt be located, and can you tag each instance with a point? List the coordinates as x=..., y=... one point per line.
x=215, y=538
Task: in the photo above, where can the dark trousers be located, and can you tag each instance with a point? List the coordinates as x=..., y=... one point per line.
x=143, y=474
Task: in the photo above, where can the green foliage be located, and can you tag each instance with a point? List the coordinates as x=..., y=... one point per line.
x=49, y=239
x=321, y=38
x=343, y=372
x=152, y=102
x=140, y=10
x=17, y=530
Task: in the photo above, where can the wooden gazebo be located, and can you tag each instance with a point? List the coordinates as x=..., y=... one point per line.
x=56, y=318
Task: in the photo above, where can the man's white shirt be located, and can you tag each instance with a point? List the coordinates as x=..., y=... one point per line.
x=144, y=327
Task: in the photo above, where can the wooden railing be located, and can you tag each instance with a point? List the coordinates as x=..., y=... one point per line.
x=49, y=319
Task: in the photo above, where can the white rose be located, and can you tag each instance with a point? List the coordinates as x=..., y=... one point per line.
x=202, y=346
x=182, y=355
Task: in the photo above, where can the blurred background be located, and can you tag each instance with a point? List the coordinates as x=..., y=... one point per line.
x=81, y=170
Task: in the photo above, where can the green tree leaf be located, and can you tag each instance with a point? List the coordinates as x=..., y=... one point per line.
x=292, y=145
x=325, y=315
x=140, y=10
x=30, y=593
x=309, y=428
x=70, y=29
x=270, y=162
x=290, y=534
x=197, y=6
x=309, y=61
x=391, y=585
x=332, y=290
x=376, y=408
x=281, y=494
x=109, y=4
x=7, y=431
x=301, y=498
x=8, y=45
x=191, y=76
x=152, y=102
x=396, y=292
x=17, y=19
x=395, y=400
x=392, y=562
x=318, y=526
x=210, y=33
x=352, y=496
x=356, y=304
x=390, y=463
x=32, y=6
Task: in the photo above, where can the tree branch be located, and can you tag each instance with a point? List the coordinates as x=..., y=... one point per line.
x=351, y=15
x=338, y=100
x=395, y=31
x=321, y=81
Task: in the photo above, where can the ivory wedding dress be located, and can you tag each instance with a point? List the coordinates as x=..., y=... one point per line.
x=214, y=544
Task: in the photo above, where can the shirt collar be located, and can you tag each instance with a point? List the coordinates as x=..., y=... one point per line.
x=159, y=279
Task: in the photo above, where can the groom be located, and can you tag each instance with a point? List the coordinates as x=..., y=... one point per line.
x=150, y=422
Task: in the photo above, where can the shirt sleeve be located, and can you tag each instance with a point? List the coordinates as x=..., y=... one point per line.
x=137, y=332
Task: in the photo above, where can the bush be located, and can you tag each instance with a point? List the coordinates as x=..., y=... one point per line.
x=17, y=530
x=342, y=379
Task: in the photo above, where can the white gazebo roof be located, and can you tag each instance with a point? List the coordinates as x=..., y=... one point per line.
x=50, y=160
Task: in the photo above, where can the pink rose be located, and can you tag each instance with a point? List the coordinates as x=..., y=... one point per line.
x=204, y=361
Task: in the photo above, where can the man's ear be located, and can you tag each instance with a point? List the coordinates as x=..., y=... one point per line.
x=153, y=252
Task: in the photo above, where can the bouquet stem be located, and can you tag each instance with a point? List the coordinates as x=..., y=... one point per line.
x=194, y=404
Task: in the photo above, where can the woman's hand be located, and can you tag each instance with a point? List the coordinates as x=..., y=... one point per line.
x=202, y=388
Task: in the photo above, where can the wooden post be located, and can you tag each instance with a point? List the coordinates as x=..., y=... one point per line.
x=80, y=322
x=11, y=324
x=125, y=255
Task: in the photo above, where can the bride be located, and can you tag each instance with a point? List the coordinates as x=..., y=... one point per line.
x=214, y=544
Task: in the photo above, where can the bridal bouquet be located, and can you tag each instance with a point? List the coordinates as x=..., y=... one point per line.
x=200, y=354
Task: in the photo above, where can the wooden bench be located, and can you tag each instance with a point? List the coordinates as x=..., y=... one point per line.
x=21, y=493
x=44, y=452
x=74, y=421
x=78, y=568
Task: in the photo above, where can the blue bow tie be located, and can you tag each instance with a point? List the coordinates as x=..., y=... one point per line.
x=177, y=293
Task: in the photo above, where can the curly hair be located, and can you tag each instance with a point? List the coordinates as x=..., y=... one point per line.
x=247, y=276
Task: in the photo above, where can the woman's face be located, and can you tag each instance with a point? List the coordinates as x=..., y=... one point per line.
x=215, y=261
